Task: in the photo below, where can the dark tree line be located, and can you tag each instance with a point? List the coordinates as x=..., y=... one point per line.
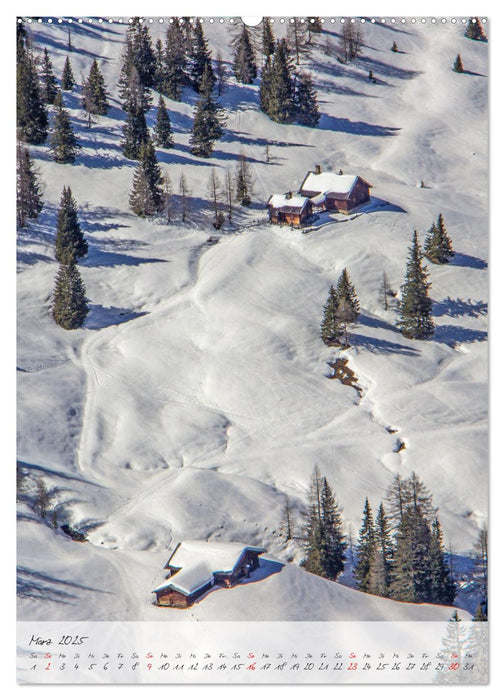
x=401, y=554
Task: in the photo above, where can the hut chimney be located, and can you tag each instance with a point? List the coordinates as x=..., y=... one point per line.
x=288, y=195
x=317, y=170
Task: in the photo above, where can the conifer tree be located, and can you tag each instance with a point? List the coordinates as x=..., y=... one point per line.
x=330, y=330
x=41, y=503
x=62, y=140
x=144, y=58
x=458, y=66
x=268, y=38
x=313, y=528
x=415, y=307
x=307, y=111
x=49, y=84
x=70, y=305
x=134, y=131
x=347, y=306
x=208, y=122
x=277, y=90
x=475, y=30
x=383, y=557
x=220, y=74
x=443, y=589
x=200, y=59
x=146, y=197
x=244, y=64
x=411, y=573
x=438, y=246
x=67, y=77
x=31, y=112
x=480, y=566
x=70, y=242
x=94, y=92
x=366, y=547
x=243, y=181
x=175, y=61
x=163, y=135
x=29, y=200
x=333, y=543
x=159, y=56
x=394, y=48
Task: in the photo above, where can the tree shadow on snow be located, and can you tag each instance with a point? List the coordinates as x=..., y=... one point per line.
x=105, y=316
x=455, y=335
x=383, y=347
x=460, y=307
x=359, y=128
x=463, y=260
x=35, y=584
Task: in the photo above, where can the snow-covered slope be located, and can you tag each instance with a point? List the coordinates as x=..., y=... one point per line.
x=197, y=396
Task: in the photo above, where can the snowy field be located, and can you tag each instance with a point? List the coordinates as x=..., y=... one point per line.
x=197, y=395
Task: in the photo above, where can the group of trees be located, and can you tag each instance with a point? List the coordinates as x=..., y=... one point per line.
x=70, y=305
x=287, y=96
x=400, y=554
x=340, y=311
x=415, y=305
x=323, y=533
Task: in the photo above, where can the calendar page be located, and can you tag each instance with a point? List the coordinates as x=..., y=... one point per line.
x=252, y=362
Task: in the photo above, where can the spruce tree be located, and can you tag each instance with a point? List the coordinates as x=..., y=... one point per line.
x=333, y=543
x=175, y=62
x=144, y=58
x=49, y=84
x=146, y=197
x=200, y=59
x=31, y=112
x=29, y=200
x=94, y=92
x=443, y=589
x=347, y=306
x=383, y=557
x=208, y=122
x=394, y=48
x=366, y=547
x=220, y=74
x=62, y=140
x=244, y=65
x=134, y=131
x=438, y=246
x=398, y=497
x=158, y=75
x=475, y=30
x=67, y=78
x=313, y=527
x=480, y=563
x=268, y=39
x=411, y=573
x=277, y=91
x=330, y=330
x=415, y=307
x=307, y=111
x=70, y=305
x=41, y=503
x=70, y=242
x=458, y=66
x=243, y=181
x=163, y=134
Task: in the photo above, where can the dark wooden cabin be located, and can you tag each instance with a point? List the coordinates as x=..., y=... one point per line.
x=289, y=209
x=334, y=191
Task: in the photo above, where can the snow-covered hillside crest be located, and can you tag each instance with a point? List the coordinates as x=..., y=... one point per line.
x=197, y=396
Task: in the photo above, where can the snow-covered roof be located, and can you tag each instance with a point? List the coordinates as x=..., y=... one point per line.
x=189, y=580
x=198, y=561
x=277, y=201
x=328, y=183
